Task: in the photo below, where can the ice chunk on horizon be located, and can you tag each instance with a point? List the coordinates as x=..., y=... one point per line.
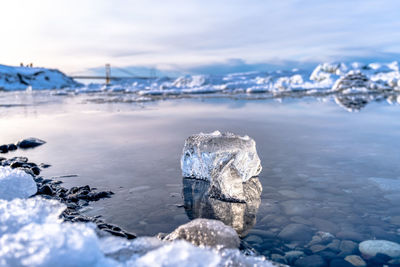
x=16, y=184
x=225, y=160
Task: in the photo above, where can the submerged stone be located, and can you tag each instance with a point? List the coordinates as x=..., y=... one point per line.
x=370, y=248
x=225, y=160
x=206, y=232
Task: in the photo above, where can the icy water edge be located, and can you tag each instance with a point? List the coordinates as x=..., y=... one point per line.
x=324, y=168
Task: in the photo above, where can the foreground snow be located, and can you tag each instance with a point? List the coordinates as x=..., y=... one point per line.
x=16, y=184
x=31, y=234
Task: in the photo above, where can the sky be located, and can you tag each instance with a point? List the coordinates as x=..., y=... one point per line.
x=205, y=36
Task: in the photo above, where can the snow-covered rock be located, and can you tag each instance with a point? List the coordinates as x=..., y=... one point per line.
x=352, y=82
x=16, y=184
x=206, y=232
x=22, y=78
x=370, y=248
x=225, y=160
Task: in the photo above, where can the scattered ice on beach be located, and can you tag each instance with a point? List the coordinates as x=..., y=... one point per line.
x=16, y=184
x=225, y=160
x=320, y=80
x=31, y=234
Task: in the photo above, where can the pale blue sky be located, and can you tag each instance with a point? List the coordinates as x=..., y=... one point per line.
x=196, y=36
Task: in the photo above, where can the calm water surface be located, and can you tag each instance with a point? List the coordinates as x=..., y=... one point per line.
x=323, y=167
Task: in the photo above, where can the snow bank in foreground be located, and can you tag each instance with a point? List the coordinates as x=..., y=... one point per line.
x=16, y=184
x=31, y=234
x=22, y=78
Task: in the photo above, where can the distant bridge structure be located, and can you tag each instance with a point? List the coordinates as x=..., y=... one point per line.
x=108, y=77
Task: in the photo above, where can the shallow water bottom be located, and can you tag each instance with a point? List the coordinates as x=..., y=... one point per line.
x=324, y=169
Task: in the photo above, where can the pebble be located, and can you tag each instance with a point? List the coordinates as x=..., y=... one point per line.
x=340, y=263
x=310, y=261
x=356, y=260
x=370, y=248
x=296, y=232
x=347, y=247
x=325, y=226
x=3, y=149
x=293, y=255
x=278, y=258
x=334, y=245
x=317, y=248
x=350, y=235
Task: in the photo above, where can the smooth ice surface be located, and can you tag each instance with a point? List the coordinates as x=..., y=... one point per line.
x=16, y=184
x=225, y=160
x=31, y=234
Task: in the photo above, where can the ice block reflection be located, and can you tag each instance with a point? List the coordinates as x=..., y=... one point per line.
x=240, y=216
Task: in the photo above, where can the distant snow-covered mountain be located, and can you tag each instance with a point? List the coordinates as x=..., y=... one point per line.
x=22, y=78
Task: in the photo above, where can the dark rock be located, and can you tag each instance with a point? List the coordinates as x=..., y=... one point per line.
x=17, y=164
x=30, y=143
x=311, y=261
x=347, y=247
x=340, y=263
x=296, y=232
x=44, y=165
x=11, y=147
x=379, y=259
x=3, y=149
x=293, y=255
x=349, y=235
x=327, y=255
x=35, y=170
x=45, y=190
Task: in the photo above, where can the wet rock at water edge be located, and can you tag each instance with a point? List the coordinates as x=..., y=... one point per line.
x=3, y=149
x=225, y=160
x=206, y=232
x=370, y=248
x=11, y=147
x=30, y=143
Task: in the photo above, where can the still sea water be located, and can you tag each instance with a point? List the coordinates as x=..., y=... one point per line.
x=324, y=168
